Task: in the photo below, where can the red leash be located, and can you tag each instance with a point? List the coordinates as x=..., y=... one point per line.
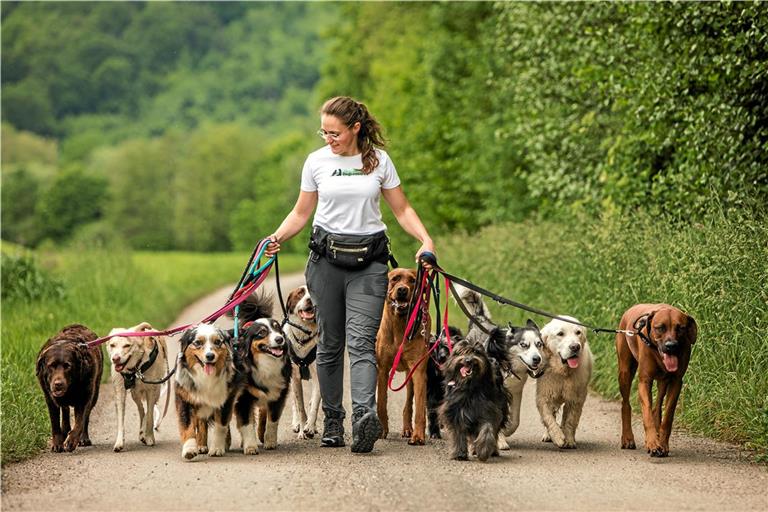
x=237, y=298
x=422, y=304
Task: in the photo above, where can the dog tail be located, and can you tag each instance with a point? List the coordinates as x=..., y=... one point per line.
x=475, y=305
x=485, y=443
x=257, y=305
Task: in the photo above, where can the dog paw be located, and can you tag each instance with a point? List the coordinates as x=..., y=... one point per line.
x=202, y=449
x=416, y=441
x=148, y=440
x=85, y=442
x=251, y=450
x=545, y=438
x=270, y=445
x=462, y=457
x=569, y=445
x=384, y=433
x=407, y=432
x=118, y=447
x=190, y=450
x=558, y=440
x=217, y=452
x=435, y=435
x=628, y=444
x=502, y=444
x=659, y=451
x=57, y=447
x=71, y=443
x=296, y=427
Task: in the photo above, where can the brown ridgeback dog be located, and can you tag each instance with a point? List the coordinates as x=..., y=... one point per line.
x=659, y=350
x=401, y=289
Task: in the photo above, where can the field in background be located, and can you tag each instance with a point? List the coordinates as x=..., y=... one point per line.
x=100, y=290
x=595, y=270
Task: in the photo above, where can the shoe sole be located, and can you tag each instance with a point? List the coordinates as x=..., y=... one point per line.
x=369, y=430
x=332, y=442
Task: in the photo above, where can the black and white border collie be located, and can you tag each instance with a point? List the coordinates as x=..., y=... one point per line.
x=263, y=352
x=302, y=333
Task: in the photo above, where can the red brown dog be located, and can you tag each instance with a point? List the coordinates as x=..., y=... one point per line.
x=658, y=351
x=401, y=289
x=69, y=374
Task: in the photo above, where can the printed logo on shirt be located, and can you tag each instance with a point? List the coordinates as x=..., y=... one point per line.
x=347, y=172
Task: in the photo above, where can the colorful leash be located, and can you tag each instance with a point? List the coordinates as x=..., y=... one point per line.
x=425, y=278
x=249, y=282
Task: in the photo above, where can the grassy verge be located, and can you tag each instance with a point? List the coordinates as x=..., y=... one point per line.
x=594, y=271
x=101, y=290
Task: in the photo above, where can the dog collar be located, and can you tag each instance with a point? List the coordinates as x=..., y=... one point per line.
x=129, y=377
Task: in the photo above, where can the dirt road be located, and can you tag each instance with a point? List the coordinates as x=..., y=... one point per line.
x=300, y=475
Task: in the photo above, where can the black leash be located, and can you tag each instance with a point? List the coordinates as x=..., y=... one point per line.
x=430, y=258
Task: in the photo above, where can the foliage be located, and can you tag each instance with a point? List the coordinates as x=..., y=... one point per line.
x=24, y=280
x=596, y=269
x=72, y=199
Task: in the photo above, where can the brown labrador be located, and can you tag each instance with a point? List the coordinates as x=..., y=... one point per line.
x=401, y=289
x=69, y=374
x=658, y=350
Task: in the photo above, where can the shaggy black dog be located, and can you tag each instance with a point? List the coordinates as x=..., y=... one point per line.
x=476, y=405
x=435, y=387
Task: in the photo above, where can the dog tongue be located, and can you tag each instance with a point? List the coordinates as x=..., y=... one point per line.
x=573, y=362
x=670, y=362
x=464, y=371
x=209, y=368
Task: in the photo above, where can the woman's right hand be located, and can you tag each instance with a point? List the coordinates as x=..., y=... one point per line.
x=273, y=247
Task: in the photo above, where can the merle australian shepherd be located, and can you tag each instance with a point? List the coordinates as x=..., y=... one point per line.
x=263, y=353
x=476, y=404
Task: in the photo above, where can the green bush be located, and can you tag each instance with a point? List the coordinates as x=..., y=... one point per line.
x=24, y=280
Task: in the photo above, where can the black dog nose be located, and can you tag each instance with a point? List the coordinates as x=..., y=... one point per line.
x=210, y=356
x=671, y=345
x=402, y=293
x=575, y=347
x=279, y=339
x=536, y=359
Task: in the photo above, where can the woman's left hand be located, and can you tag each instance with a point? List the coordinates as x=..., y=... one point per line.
x=426, y=246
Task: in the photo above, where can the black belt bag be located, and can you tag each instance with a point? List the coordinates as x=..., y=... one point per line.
x=350, y=251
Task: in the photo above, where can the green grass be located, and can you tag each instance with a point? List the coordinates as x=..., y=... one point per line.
x=102, y=290
x=716, y=271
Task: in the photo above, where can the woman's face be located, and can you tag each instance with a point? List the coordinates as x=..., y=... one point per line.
x=341, y=138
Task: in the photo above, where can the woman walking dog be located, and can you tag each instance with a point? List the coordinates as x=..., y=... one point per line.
x=347, y=269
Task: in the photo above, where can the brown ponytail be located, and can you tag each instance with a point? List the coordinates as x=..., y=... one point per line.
x=350, y=111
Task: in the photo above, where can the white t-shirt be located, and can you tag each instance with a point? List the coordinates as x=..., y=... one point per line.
x=348, y=200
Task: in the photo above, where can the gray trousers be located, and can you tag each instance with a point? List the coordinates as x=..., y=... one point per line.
x=350, y=304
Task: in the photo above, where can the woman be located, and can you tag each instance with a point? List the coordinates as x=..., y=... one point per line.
x=347, y=270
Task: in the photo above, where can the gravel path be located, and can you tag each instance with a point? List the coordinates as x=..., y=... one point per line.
x=300, y=475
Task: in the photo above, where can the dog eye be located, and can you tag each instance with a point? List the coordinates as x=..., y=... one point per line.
x=524, y=344
x=539, y=344
x=578, y=333
x=197, y=343
x=66, y=366
x=561, y=333
x=126, y=346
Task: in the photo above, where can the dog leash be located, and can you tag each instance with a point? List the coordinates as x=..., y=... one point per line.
x=430, y=258
x=254, y=279
x=420, y=308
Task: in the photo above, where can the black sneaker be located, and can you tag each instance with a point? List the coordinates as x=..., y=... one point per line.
x=333, y=432
x=366, y=430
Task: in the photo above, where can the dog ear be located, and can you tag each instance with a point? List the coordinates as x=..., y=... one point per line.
x=293, y=299
x=143, y=326
x=532, y=325
x=40, y=365
x=692, y=330
x=510, y=334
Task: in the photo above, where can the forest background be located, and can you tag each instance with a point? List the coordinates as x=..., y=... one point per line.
x=579, y=156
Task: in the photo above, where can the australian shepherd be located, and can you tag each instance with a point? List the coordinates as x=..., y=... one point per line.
x=302, y=334
x=207, y=384
x=263, y=351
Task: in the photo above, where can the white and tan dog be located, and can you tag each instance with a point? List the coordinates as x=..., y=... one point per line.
x=302, y=333
x=565, y=381
x=128, y=356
